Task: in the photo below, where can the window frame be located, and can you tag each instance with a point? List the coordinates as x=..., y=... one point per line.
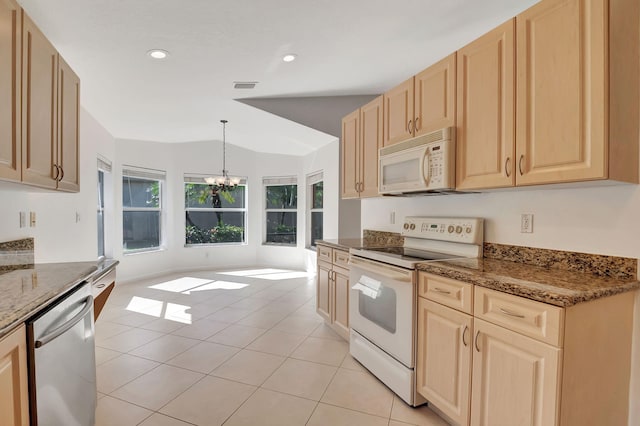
x=199, y=179
x=312, y=179
x=103, y=167
x=151, y=175
x=279, y=181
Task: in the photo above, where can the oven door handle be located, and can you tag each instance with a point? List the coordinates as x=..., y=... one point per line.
x=388, y=271
x=58, y=331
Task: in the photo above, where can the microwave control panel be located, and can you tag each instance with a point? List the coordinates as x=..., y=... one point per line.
x=438, y=165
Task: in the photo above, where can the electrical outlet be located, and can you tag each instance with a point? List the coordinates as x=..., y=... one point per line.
x=77, y=217
x=526, y=223
x=32, y=219
x=392, y=218
x=23, y=219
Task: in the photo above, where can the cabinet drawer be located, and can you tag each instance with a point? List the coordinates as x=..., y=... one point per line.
x=324, y=253
x=538, y=320
x=455, y=294
x=341, y=258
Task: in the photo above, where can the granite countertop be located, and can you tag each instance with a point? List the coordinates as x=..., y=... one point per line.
x=25, y=291
x=554, y=286
x=344, y=243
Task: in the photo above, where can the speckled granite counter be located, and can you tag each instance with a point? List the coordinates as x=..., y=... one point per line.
x=554, y=286
x=23, y=292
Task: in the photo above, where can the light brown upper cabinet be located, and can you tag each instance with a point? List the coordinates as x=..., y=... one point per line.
x=361, y=140
x=421, y=104
x=576, y=116
x=68, y=128
x=10, y=47
x=485, y=110
x=50, y=114
x=577, y=91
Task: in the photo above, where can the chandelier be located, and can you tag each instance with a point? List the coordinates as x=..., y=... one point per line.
x=223, y=182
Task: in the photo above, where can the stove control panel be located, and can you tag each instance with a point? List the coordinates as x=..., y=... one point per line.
x=459, y=229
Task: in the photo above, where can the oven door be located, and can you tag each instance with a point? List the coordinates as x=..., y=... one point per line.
x=382, y=308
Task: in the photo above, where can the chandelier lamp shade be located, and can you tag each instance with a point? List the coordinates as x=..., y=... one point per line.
x=223, y=182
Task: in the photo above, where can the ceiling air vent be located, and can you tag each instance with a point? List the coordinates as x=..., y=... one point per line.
x=244, y=84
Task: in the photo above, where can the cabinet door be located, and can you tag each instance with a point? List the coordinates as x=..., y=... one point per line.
x=398, y=113
x=39, y=65
x=10, y=51
x=340, y=318
x=485, y=111
x=14, y=398
x=562, y=92
x=435, y=96
x=68, y=128
x=443, y=367
x=515, y=379
x=371, y=142
x=323, y=291
x=350, y=155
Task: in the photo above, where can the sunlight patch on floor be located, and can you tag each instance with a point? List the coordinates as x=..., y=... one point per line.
x=267, y=274
x=181, y=284
x=160, y=309
x=218, y=285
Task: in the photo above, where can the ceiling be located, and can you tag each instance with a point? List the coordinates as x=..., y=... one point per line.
x=344, y=47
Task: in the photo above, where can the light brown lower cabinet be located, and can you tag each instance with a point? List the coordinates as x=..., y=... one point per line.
x=332, y=297
x=14, y=397
x=514, y=361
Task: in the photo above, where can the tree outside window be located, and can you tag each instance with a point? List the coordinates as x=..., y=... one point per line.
x=281, y=203
x=213, y=216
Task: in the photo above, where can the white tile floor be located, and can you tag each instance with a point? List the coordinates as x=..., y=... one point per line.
x=233, y=348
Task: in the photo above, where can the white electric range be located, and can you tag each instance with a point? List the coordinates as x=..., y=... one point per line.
x=383, y=295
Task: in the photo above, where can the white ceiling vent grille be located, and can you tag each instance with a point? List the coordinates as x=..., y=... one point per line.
x=244, y=84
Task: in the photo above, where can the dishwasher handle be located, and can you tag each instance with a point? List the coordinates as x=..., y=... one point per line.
x=88, y=302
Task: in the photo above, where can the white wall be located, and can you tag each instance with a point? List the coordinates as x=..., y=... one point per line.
x=601, y=220
x=58, y=237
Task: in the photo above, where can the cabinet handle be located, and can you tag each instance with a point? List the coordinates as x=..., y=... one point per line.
x=356, y=187
x=439, y=290
x=57, y=169
x=464, y=335
x=507, y=168
x=511, y=314
x=475, y=341
x=409, y=126
x=61, y=174
x=415, y=124
x=520, y=164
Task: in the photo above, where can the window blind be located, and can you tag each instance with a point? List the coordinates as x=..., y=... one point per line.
x=143, y=173
x=280, y=180
x=314, y=177
x=104, y=164
x=199, y=178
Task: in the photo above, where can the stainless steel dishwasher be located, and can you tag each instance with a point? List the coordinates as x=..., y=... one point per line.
x=62, y=371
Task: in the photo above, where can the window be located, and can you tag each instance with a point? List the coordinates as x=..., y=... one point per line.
x=281, y=204
x=141, y=209
x=214, y=217
x=104, y=168
x=315, y=197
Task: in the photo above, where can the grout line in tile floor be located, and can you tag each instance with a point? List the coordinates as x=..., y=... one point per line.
x=284, y=298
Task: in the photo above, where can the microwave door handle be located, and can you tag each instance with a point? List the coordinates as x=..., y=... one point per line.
x=426, y=158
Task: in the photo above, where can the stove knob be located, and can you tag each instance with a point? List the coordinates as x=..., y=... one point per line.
x=450, y=229
x=406, y=226
x=468, y=229
x=458, y=229
x=413, y=226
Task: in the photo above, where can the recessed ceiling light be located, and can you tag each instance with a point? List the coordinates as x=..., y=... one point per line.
x=289, y=57
x=158, y=53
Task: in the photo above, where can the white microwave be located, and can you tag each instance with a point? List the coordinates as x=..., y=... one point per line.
x=422, y=164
